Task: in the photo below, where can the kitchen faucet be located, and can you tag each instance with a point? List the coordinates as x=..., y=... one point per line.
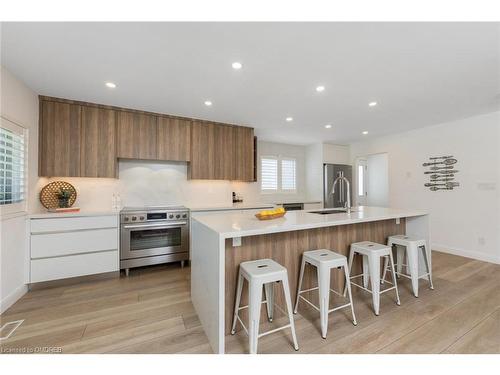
x=342, y=178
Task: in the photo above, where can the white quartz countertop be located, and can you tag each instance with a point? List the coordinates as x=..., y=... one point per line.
x=49, y=215
x=238, y=224
x=234, y=206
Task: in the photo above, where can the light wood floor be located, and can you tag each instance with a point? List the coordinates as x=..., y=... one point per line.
x=151, y=312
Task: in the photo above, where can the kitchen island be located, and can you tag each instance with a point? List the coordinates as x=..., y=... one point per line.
x=220, y=242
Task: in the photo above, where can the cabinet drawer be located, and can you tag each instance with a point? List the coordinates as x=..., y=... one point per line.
x=70, y=243
x=74, y=265
x=73, y=223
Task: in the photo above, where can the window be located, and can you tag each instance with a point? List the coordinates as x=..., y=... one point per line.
x=12, y=167
x=288, y=179
x=269, y=174
x=278, y=174
x=361, y=180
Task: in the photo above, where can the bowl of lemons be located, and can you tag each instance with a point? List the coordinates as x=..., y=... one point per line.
x=271, y=214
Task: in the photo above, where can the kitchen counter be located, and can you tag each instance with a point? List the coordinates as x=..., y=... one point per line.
x=234, y=206
x=219, y=243
x=81, y=213
x=242, y=224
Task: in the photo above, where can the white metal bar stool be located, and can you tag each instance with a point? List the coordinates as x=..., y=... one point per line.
x=372, y=253
x=261, y=273
x=324, y=261
x=412, y=246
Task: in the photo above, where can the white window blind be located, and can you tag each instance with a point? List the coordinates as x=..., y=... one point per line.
x=269, y=173
x=288, y=175
x=12, y=165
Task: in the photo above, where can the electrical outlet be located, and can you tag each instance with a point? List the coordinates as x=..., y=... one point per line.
x=236, y=241
x=481, y=241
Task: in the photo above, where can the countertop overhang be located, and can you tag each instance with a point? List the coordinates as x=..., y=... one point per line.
x=237, y=224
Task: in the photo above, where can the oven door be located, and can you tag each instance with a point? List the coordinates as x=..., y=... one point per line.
x=150, y=239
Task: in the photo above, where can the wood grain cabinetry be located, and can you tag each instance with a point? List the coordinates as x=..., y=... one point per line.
x=221, y=152
x=98, y=142
x=137, y=134
x=174, y=139
x=202, y=160
x=79, y=139
x=59, y=139
x=243, y=154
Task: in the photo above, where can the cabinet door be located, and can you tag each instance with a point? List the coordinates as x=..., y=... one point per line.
x=59, y=147
x=202, y=164
x=98, y=143
x=137, y=134
x=224, y=153
x=243, y=154
x=174, y=139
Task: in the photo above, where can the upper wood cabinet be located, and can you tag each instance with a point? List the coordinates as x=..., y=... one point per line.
x=221, y=152
x=243, y=154
x=174, y=139
x=202, y=160
x=137, y=134
x=59, y=139
x=98, y=143
x=79, y=139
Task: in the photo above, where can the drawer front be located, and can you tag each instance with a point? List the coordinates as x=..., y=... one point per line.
x=70, y=243
x=74, y=265
x=73, y=223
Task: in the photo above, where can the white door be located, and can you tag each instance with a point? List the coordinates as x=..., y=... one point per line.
x=361, y=177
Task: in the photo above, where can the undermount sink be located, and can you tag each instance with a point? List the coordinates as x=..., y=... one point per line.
x=328, y=212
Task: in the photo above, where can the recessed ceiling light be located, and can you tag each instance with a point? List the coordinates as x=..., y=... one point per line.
x=208, y=103
x=320, y=88
x=289, y=119
x=328, y=126
x=372, y=104
x=236, y=65
x=111, y=85
x=365, y=132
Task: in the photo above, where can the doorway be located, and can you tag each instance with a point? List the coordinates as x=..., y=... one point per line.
x=372, y=180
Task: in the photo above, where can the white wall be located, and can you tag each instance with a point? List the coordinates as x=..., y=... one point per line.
x=377, y=183
x=464, y=221
x=19, y=104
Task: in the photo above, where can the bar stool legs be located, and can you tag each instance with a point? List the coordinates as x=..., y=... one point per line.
x=372, y=253
x=324, y=297
x=324, y=261
x=411, y=247
x=269, y=291
x=288, y=299
x=262, y=274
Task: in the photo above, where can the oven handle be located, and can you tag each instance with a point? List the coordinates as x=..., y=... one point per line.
x=158, y=225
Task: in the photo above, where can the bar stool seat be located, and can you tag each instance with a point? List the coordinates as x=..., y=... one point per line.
x=372, y=253
x=261, y=273
x=411, y=245
x=324, y=260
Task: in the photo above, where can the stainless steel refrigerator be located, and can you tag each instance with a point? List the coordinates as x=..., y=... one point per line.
x=330, y=173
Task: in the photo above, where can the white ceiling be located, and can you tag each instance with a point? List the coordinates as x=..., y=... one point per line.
x=419, y=73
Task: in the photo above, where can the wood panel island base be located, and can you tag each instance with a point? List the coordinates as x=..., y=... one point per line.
x=220, y=242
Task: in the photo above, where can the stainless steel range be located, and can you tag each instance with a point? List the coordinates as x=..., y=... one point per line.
x=153, y=235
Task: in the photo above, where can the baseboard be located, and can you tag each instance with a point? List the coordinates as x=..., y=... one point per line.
x=466, y=253
x=9, y=300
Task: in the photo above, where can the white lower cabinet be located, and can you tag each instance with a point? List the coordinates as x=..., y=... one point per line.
x=73, y=246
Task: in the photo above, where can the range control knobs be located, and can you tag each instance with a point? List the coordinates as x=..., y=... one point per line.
x=126, y=218
x=184, y=216
x=171, y=216
x=134, y=218
x=141, y=218
x=177, y=216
